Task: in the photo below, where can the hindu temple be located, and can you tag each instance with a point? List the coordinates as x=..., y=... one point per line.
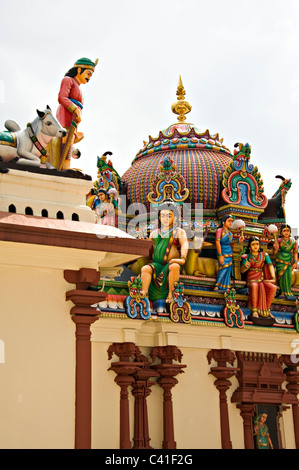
x=157, y=309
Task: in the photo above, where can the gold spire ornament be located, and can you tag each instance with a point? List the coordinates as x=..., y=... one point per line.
x=181, y=107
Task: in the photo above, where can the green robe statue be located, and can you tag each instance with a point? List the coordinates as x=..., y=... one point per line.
x=284, y=266
x=158, y=288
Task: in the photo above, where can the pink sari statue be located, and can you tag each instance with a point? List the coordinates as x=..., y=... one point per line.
x=260, y=280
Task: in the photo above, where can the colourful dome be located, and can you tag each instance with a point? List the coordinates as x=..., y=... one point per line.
x=199, y=157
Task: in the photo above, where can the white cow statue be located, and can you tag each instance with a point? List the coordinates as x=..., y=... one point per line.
x=28, y=146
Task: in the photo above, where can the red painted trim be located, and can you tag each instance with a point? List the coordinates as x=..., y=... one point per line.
x=35, y=230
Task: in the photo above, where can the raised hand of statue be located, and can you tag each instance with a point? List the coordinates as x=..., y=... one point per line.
x=276, y=245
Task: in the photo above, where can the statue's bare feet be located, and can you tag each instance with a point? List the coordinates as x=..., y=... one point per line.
x=169, y=299
x=255, y=314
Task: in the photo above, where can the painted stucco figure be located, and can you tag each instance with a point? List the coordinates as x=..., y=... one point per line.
x=103, y=197
x=224, y=240
x=261, y=433
x=260, y=279
x=169, y=255
x=70, y=96
x=105, y=205
x=28, y=146
x=69, y=111
x=286, y=251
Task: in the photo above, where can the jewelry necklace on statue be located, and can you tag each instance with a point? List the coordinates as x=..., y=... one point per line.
x=164, y=233
x=287, y=242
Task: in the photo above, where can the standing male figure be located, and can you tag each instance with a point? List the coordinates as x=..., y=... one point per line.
x=70, y=107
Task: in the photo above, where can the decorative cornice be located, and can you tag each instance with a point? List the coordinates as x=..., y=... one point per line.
x=42, y=235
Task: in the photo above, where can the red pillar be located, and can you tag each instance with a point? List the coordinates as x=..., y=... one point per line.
x=83, y=381
x=125, y=370
x=247, y=412
x=292, y=377
x=141, y=390
x=222, y=373
x=167, y=371
x=83, y=315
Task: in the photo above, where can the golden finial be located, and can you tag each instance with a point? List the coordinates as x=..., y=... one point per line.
x=181, y=107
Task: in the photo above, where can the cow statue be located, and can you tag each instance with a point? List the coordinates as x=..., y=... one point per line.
x=28, y=146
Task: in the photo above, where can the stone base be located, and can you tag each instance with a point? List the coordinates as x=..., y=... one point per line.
x=6, y=167
x=45, y=193
x=261, y=321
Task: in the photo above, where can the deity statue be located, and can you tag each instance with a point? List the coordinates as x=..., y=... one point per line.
x=261, y=432
x=224, y=240
x=260, y=279
x=169, y=255
x=103, y=198
x=286, y=250
x=105, y=205
x=69, y=111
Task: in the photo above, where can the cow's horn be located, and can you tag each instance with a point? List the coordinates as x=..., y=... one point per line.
x=40, y=113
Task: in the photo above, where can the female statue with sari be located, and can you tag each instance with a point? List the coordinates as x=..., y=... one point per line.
x=261, y=433
x=286, y=251
x=260, y=279
x=224, y=241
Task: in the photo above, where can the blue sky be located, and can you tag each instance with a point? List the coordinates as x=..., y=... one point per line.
x=238, y=60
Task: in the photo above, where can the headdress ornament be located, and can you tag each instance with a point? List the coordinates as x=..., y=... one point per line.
x=86, y=63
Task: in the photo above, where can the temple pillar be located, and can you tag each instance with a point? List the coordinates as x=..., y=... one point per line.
x=167, y=371
x=247, y=412
x=83, y=315
x=124, y=370
x=222, y=373
x=141, y=390
x=292, y=378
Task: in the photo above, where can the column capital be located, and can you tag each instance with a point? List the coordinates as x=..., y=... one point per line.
x=125, y=351
x=291, y=372
x=221, y=356
x=166, y=354
x=83, y=277
x=83, y=300
x=82, y=297
x=246, y=409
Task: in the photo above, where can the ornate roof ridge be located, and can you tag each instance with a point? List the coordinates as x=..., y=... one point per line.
x=177, y=140
x=173, y=131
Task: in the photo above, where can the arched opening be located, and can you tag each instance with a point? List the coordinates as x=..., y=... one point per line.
x=28, y=211
x=44, y=213
x=75, y=216
x=59, y=215
x=12, y=209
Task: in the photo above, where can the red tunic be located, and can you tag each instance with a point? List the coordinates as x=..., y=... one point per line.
x=69, y=88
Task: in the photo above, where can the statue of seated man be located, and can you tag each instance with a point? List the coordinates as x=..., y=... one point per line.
x=170, y=252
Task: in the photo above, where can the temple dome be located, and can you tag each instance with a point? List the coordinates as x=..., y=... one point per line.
x=201, y=158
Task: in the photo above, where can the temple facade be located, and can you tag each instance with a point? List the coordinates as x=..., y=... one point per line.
x=91, y=359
